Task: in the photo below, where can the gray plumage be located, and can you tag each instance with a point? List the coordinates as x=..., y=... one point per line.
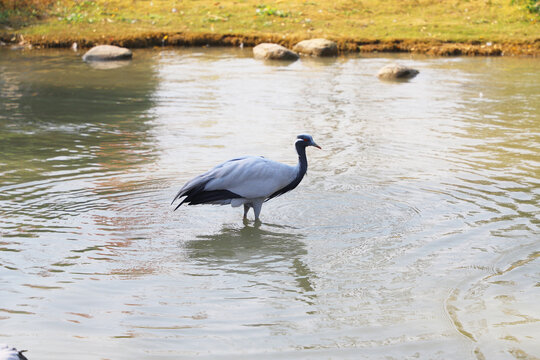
x=10, y=353
x=248, y=181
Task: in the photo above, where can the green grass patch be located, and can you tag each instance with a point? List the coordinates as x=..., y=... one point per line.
x=533, y=6
x=265, y=10
x=448, y=20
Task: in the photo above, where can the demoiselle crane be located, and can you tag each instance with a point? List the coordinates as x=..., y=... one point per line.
x=10, y=353
x=248, y=181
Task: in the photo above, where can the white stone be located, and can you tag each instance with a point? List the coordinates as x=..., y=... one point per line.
x=397, y=72
x=316, y=47
x=107, y=53
x=267, y=51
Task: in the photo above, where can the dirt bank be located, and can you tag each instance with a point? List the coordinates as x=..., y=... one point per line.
x=345, y=45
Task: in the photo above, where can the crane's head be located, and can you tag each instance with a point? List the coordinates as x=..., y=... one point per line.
x=306, y=140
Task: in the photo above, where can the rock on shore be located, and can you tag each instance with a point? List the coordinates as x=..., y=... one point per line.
x=268, y=51
x=396, y=72
x=107, y=53
x=316, y=47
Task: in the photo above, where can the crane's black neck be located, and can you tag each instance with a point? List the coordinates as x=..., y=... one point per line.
x=302, y=169
x=302, y=159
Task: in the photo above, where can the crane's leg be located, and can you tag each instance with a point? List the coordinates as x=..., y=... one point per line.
x=257, y=206
x=246, y=209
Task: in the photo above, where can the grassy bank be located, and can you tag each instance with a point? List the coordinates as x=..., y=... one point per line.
x=482, y=26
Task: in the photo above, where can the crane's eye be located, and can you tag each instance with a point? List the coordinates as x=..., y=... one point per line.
x=305, y=139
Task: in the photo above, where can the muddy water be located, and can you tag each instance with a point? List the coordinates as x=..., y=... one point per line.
x=414, y=235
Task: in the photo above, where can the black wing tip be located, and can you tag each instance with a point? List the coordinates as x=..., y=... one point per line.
x=177, y=206
x=179, y=195
x=205, y=197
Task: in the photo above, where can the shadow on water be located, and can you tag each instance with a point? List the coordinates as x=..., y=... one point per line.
x=254, y=250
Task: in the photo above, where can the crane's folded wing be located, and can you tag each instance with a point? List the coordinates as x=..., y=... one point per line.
x=250, y=177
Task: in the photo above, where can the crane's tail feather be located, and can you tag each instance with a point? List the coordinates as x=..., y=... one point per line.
x=190, y=191
x=176, y=197
x=177, y=206
x=195, y=185
x=210, y=197
x=179, y=195
x=198, y=195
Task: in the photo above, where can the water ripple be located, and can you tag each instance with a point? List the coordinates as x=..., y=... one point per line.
x=414, y=233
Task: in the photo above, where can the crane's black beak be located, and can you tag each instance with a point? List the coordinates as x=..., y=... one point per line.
x=317, y=146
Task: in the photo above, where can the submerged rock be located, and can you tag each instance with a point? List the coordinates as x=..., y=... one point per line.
x=316, y=47
x=396, y=72
x=107, y=53
x=267, y=51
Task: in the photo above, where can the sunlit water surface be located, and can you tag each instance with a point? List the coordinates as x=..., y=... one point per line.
x=414, y=235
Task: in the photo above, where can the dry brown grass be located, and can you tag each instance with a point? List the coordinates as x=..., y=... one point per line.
x=352, y=23
x=13, y=4
x=38, y=6
x=23, y=12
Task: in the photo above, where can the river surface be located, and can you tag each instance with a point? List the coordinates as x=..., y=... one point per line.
x=414, y=235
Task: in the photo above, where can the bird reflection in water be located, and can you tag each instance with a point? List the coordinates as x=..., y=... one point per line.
x=255, y=250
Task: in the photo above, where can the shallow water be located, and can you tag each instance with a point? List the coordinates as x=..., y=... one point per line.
x=414, y=235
